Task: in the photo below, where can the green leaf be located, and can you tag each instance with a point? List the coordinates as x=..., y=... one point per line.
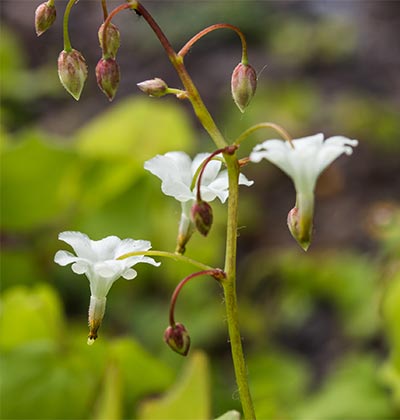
x=136, y=129
x=29, y=315
x=188, y=399
x=35, y=183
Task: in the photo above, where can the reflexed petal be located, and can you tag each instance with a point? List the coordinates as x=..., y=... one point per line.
x=64, y=258
x=149, y=260
x=129, y=274
x=130, y=245
x=80, y=267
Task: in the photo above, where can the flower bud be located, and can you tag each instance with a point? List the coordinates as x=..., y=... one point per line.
x=112, y=39
x=202, y=216
x=300, y=227
x=107, y=74
x=243, y=85
x=154, y=87
x=72, y=71
x=178, y=339
x=45, y=15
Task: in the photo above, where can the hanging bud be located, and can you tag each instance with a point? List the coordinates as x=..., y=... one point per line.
x=178, y=339
x=243, y=85
x=300, y=221
x=112, y=39
x=97, y=308
x=202, y=216
x=72, y=71
x=107, y=74
x=45, y=15
x=154, y=87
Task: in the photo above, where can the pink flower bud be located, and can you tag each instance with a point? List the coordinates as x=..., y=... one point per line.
x=112, y=39
x=45, y=15
x=107, y=74
x=154, y=87
x=243, y=85
x=72, y=71
x=178, y=339
x=202, y=216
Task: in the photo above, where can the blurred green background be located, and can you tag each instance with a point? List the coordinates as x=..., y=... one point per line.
x=321, y=330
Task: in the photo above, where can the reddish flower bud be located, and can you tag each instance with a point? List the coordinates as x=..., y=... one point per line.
x=107, y=74
x=45, y=15
x=243, y=85
x=112, y=39
x=202, y=216
x=154, y=87
x=178, y=339
x=72, y=71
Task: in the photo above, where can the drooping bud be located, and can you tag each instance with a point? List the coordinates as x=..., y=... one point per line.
x=153, y=87
x=243, y=85
x=45, y=15
x=202, y=216
x=300, y=227
x=112, y=39
x=72, y=71
x=97, y=308
x=107, y=74
x=177, y=338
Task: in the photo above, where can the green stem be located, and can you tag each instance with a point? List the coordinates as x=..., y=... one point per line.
x=229, y=285
x=67, y=41
x=233, y=172
x=171, y=255
x=197, y=103
x=259, y=126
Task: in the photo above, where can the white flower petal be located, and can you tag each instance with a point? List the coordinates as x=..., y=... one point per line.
x=79, y=242
x=64, y=258
x=129, y=274
x=80, y=267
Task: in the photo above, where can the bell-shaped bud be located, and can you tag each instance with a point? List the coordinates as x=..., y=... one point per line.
x=243, y=85
x=202, y=216
x=45, y=15
x=177, y=338
x=154, y=87
x=72, y=71
x=300, y=220
x=107, y=74
x=112, y=39
x=97, y=308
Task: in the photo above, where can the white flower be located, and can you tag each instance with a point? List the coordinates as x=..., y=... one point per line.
x=303, y=162
x=177, y=171
x=98, y=260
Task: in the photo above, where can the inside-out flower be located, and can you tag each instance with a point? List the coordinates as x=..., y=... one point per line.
x=303, y=161
x=99, y=261
x=177, y=172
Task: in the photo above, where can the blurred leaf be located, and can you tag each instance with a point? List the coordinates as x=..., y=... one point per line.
x=189, y=398
x=116, y=143
x=109, y=404
x=352, y=391
x=34, y=182
x=30, y=315
x=141, y=373
x=230, y=415
x=278, y=381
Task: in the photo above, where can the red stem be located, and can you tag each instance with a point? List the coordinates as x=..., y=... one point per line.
x=185, y=49
x=229, y=149
x=107, y=22
x=216, y=273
